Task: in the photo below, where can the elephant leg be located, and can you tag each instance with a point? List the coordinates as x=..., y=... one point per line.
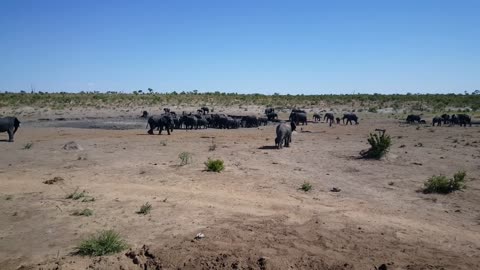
x=160, y=130
x=10, y=134
x=168, y=130
x=150, y=131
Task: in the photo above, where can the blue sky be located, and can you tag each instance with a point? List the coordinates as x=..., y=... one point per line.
x=309, y=47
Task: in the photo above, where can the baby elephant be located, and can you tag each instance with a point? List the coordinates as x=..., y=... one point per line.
x=9, y=125
x=284, y=134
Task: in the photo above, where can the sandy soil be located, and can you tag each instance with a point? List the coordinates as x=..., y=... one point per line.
x=253, y=214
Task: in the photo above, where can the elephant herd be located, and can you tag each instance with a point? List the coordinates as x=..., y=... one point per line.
x=452, y=120
x=202, y=119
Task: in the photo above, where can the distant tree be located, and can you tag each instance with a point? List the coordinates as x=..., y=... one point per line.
x=476, y=92
x=150, y=90
x=195, y=92
x=135, y=92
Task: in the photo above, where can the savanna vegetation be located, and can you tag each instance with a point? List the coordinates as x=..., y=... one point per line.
x=419, y=102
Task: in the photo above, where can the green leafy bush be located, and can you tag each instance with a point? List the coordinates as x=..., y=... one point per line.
x=379, y=146
x=214, y=165
x=306, y=187
x=104, y=243
x=442, y=184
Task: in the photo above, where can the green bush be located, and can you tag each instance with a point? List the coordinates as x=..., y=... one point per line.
x=104, y=243
x=306, y=187
x=379, y=146
x=441, y=184
x=214, y=165
x=27, y=146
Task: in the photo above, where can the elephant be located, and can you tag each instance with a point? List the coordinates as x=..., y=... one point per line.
x=317, y=117
x=163, y=121
x=269, y=111
x=166, y=110
x=272, y=115
x=464, y=120
x=250, y=121
x=298, y=117
x=329, y=117
x=205, y=110
x=350, y=117
x=338, y=120
x=284, y=134
x=412, y=118
x=9, y=125
x=144, y=114
x=437, y=120
x=201, y=121
x=263, y=120
x=446, y=118
x=190, y=121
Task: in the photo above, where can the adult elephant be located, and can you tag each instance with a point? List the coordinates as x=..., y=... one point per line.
x=272, y=115
x=205, y=110
x=160, y=122
x=284, y=134
x=437, y=120
x=350, y=117
x=263, y=120
x=298, y=117
x=250, y=121
x=445, y=118
x=9, y=125
x=201, y=121
x=329, y=117
x=412, y=118
x=464, y=120
x=269, y=110
x=190, y=121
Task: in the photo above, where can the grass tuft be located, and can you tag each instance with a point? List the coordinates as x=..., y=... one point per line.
x=104, y=243
x=145, y=209
x=85, y=212
x=185, y=158
x=27, y=146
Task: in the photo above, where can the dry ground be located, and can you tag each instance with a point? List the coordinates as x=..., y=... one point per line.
x=253, y=214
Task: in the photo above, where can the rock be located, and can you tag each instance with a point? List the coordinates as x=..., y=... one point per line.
x=335, y=189
x=199, y=236
x=72, y=146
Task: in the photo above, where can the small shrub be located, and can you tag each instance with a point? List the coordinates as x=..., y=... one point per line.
x=185, y=158
x=76, y=195
x=441, y=184
x=372, y=110
x=9, y=197
x=379, y=146
x=88, y=199
x=104, y=243
x=85, y=212
x=214, y=165
x=306, y=187
x=27, y=146
x=145, y=209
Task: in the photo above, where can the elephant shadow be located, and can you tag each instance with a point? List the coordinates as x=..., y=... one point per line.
x=267, y=147
x=4, y=140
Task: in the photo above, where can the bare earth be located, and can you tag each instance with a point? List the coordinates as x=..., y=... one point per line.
x=253, y=214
